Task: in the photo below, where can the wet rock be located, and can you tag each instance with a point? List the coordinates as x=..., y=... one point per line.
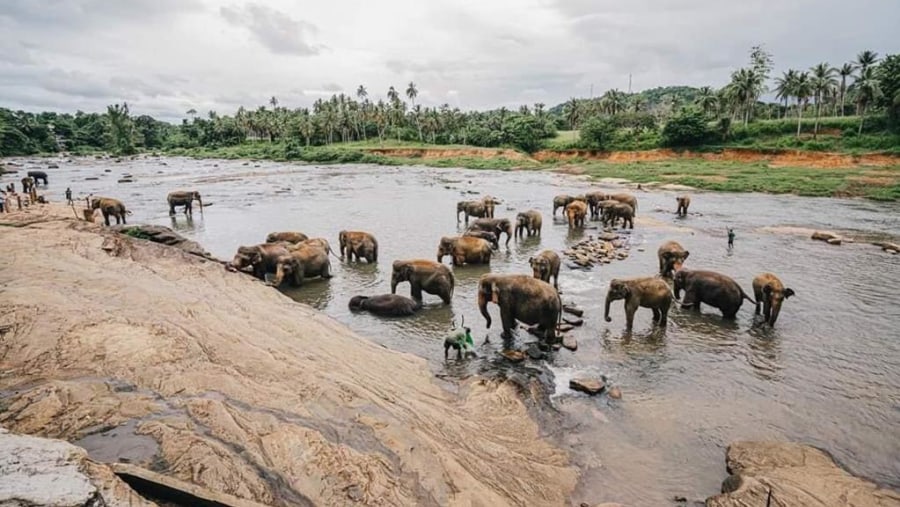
x=615, y=393
x=834, y=241
x=52, y=166
x=565, y=328
x=556, y=346
x=570, y=343
x=578, y=312
x=126, y=180
x=515, y=356
x=588, y=386
x=824, y=235
x=534, y=352
x=41, y=471
x=91, y=178
x=784, y=473
x=608, y=236
x=574, y=322
x=107, y=170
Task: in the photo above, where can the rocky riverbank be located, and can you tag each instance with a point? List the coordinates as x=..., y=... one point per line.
x=128, y=346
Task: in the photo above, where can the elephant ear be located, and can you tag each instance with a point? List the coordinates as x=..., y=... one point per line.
x=626, y=291
x=788, y=293
x=767, y=290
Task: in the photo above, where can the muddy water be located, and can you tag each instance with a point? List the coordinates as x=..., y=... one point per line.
x=828, y=375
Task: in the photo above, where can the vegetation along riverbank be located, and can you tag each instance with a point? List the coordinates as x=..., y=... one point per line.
x=756, y=133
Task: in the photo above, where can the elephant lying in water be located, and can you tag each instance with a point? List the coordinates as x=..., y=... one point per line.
x=647, y=292
x=424, y=275
x=769, y=291
x=522, y=298
x=714, y=289
x=385, y=305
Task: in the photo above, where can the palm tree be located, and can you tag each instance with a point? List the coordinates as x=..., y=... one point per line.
x=783, y=86
x=191, y=112
x=539, y=109
x=274, y=102
x=412, y=93
x=823, y=83
x=802, y=89
x=706, y=99
x=572, y=113
x=361, y=93
x=845, y=71
x=748, y=85
x=867, y=89
x=866, y=59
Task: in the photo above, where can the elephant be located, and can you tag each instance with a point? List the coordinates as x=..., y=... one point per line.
x=522, y=298
x=496, y=225
x=358, y=244
x=424, y=275
x=184, y=198
x=39, y=176
x=27, y=184
x=671, y=258
x=594, y=199
x=544, y=265
x=110, y=207
x=316, y=242
x=385, y=305
x=613, y=213
x=482, y=208
x=576, y=211
x=465, y=250
x=561, y=201
x=261, y=258
x=606, y=203
x=683, y=202
x=714, y=289
x=292, y=237
x=488, y=236
x=769, y=291
x=648, y=292
x=529, y=222
x=303, y=261
x=627, y=199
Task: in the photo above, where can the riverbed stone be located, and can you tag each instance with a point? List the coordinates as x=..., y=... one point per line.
x=614, y=393
x=608, y=236
x=834, y=241
x=512, y=355
x=534, y=352
x=793, y=474
x=587, y=385
x=570, y=342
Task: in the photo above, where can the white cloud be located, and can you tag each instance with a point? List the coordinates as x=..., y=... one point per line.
x=167, y=56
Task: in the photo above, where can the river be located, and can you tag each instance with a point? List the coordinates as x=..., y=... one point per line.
x=827, y=375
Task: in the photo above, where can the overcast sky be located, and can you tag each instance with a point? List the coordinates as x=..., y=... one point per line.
x=167, y=56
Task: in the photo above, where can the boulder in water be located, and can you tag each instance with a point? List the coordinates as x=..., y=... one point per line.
x=586, y=385
x=570, y=343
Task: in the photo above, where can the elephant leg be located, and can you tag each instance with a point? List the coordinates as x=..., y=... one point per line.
x=415, y=290
x=767, y=310
x=279, y=275
x=656, y=314
x=171, y=209
x=326, y=269
x=629, y=316
x=459, y=259
x=690, y=299
x=508, y=320
x=758, y=301
x=106, y=218
x=663, y=316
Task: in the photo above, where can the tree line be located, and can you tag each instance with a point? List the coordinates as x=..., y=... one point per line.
x=866, y=85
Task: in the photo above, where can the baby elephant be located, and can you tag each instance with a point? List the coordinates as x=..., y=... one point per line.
x=360, y=244
x=385, y=305
x=769, y=291
x=683, y=202
x=488, y=236
x=647, y=292
x=545, y=265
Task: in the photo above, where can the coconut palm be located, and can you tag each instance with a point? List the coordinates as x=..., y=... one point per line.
x=274, y=102
x=412, y=92
x=823, y=83
x=866, y=59
x=783, y=86
x=845, y=71
x=573, y=113
x=867, y=89
x=706, y=99
x=801, y=88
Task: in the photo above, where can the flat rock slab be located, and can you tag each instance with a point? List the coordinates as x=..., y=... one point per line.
x=164, y=235
x=570, y=343
x=794, y=474
x=588, y=386
x=578, y=312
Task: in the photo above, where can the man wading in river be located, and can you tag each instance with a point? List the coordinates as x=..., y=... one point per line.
x=730, y=238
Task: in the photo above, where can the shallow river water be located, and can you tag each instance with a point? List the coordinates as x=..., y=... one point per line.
x=827, y=375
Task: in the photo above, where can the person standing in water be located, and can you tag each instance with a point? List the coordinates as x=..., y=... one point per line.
x=730, y=238
x=68, y=195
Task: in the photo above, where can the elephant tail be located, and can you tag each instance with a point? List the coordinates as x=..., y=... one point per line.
x=452, y=283
x=745, y=296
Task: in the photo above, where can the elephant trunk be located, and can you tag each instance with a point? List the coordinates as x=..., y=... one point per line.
x=776, y=309
x=440, y=255
x=509, y=233
x=482, y=307
x=609, y=300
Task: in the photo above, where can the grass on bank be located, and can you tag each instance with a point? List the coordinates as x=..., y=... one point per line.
x=882, y=183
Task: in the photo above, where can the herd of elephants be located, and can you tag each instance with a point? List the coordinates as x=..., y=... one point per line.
x=293, y=257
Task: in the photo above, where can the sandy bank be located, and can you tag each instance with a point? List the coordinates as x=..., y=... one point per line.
x=225, y=383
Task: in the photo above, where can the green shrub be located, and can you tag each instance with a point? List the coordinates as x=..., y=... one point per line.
x=598, y=133
x=688, y=128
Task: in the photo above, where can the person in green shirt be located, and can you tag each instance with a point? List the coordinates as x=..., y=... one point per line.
x=461, y=340
x=730, y=237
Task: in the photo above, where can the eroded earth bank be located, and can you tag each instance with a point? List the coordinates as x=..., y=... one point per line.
x=163, y=359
